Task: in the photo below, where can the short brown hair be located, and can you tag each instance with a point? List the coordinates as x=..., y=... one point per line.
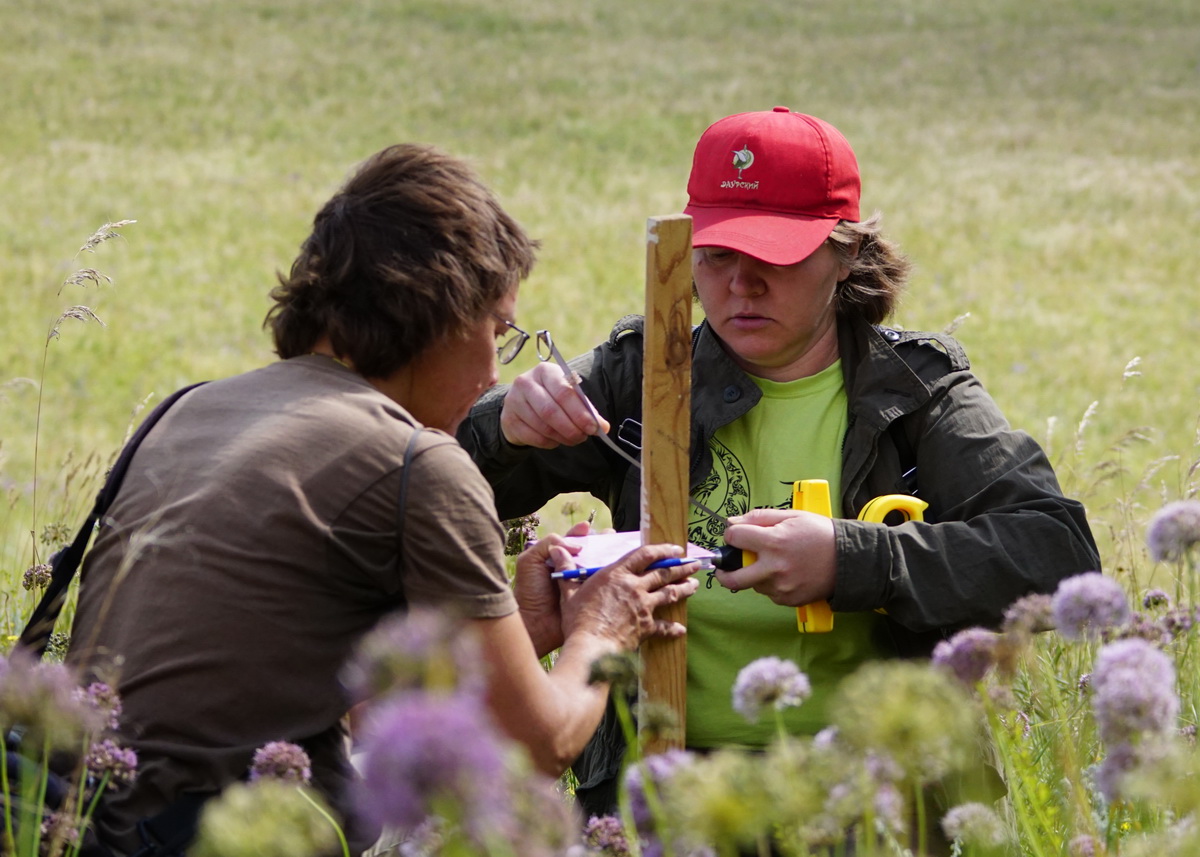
x=878, y=270
x=412, y=248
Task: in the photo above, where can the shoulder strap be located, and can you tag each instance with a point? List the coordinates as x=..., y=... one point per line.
x=409, y=451
x=36, y=635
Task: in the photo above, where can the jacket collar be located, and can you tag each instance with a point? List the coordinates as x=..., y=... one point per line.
x=880, y=386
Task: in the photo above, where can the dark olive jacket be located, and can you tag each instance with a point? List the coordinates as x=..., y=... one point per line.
x=997, y=526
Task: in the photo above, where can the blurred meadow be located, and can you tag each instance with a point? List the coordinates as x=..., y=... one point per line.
x=1038, y=160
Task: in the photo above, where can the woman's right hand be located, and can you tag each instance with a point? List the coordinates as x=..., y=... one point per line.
x=618, y=604
x=542, y=409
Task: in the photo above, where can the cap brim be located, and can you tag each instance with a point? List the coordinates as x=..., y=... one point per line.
x=777, y=239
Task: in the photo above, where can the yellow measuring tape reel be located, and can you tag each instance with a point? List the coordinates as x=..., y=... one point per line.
x=812, y=495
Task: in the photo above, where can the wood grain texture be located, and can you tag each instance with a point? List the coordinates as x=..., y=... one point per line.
x=666, y=428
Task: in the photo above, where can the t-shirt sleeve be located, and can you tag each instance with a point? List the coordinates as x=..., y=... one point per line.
x=453, y=543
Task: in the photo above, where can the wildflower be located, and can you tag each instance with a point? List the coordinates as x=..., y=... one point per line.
x=56, y=648
x=1085, y=845
x=975, y=824
x=1121, y=759
x=605, y=836
x=519, y=533
x=281, y=760
x=826, y=738
x=268, y=818
x=1088, y=604
x=1178, y=621
x=425, y=751
x=1031, y=614
x=890, y=809
x=1141, y=627
x=425, y=840
x=42, y=698
x=1155, y=598
x=619, y=669
x=926, y=726
x=37, y=576
x=56, y=534
x=658, y=768
x=539, y=822
x=968, y=654
x=771, y=682
x=109, y=758
x=62, y=828
x=103, y=699
x=423, y=649
x=1134, y=691
x=655, y=720
x=720, y=799
x=1173, y=530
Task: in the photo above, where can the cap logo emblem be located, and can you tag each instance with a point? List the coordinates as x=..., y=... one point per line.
x=743, y=159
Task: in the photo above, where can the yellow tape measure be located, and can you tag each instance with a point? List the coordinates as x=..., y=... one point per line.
x=812, y=495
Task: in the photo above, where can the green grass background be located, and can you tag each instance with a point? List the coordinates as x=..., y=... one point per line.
x=1038, y=159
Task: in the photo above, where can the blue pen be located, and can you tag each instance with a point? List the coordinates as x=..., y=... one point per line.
x=581, y=573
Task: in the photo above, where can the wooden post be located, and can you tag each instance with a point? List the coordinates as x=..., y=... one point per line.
x=666, y=429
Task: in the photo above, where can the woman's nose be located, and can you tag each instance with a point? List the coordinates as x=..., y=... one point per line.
x=746, y=279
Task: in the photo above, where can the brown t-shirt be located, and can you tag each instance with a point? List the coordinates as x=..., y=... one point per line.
x=251, y=545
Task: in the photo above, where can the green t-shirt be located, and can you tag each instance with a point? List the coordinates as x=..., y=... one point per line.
x=794, y=433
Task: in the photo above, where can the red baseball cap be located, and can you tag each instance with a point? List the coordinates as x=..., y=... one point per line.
x=771, y=184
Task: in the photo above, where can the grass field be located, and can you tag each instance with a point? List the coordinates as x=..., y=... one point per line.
x=1038, y=160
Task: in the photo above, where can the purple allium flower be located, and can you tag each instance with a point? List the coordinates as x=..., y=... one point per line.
x=1173, y=531
x=974, y=824
x=890, y=808
x=520, y=533
x=766, y=682
x=1155, y=598
x=63, y=827
x=421, y=750
x=969, y=654
x=1121, y=759
x=1179, y=621
x=1087, y=604
x=605, y=836
x=37, y=576
x=660, y=768
x=103, y=699
x=425, y=839
x=281, y=760
x=108, y=757
x=44, y=698
x=826, y=738
x=423, y=649
x=1030, y=615
x=1142, y=627
x=1084, y=845
x=1134, y=686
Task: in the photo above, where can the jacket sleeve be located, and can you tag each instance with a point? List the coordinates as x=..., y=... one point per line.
x=525, y=479
x=997, y=528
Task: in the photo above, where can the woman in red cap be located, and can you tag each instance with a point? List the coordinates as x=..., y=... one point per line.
x=795, y=378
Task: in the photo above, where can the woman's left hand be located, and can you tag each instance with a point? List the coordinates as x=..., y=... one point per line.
x=539, y=597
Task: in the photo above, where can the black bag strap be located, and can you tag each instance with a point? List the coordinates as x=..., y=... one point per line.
x=65, y=562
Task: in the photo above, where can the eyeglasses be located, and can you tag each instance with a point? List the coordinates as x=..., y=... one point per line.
x=507, y=351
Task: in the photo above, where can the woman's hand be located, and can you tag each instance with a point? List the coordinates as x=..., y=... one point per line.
x=618, y=603
x=539, y=597
x=796, y=562
x=543, y=410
